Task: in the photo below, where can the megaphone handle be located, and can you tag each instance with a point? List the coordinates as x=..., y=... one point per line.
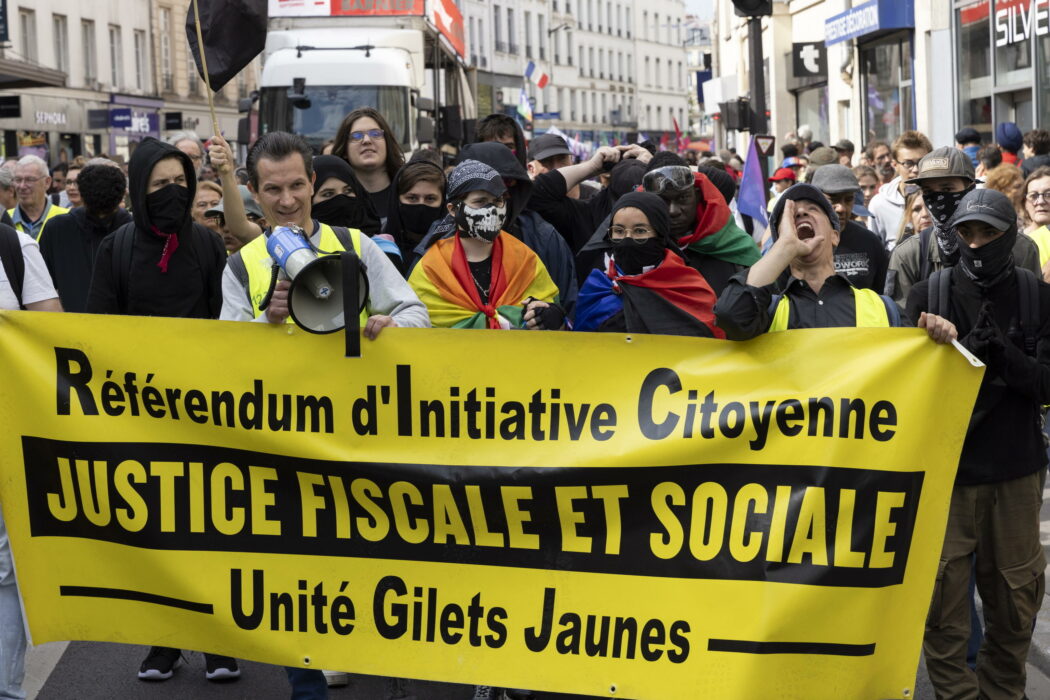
x=351, y=265
x=274, y=272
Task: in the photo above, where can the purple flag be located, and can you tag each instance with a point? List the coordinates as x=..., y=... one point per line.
x=751, y=198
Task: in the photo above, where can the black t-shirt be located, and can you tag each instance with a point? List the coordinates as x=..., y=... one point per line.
x=861, y=257
x=481, y=271
x=381, y=201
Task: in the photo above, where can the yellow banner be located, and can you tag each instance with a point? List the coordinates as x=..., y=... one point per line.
x=638, y=517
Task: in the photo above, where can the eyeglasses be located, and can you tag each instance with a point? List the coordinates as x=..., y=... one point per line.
x=669, y=177
x=638, y=234
x=374, y=134
x=909, y=164
x=1034, y=197
x=27, y=180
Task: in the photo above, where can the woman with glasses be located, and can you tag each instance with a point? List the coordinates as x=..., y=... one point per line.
x=1037, y=211
x=367, y=143
x=644, y=286
x=483, y=277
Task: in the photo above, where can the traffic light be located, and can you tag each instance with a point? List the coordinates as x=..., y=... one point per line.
x=753, y=8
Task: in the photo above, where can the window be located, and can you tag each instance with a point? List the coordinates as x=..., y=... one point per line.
x=645, y=25
x=116, y=57
x=541, y=37
x=60, y=28
x=648, y=74
x=167, y=76
x=886, y=72
x=192, y=76
x=27, y=23
x=497, y=21
x=87, y=44
x=481, y=41
x=140, y=59
x=590, y=60
x=528, y=35
x=512, y=45
x=657, y=80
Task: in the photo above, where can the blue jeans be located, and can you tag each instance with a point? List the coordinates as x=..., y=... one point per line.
x=12, y=626
x=307, y=683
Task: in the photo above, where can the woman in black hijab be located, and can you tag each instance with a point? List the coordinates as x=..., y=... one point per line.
x=645, y=286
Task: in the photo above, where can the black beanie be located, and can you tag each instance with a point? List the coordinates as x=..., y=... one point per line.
x=797, y=193
x=722, y=181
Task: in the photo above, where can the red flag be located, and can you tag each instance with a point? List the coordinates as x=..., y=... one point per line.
x=680, y=141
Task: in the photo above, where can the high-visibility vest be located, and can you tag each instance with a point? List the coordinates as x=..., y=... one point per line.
x=871, y=311
x=1041, y=236
x=259, y=265
x=52, y=211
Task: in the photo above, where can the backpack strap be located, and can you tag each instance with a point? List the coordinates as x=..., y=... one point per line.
x=938, y=300
x=236, y=263
x=924, y=253
x=1028, y=288
x=343, y=235
x=893, y=312
x=14, y=263
x=123, y=247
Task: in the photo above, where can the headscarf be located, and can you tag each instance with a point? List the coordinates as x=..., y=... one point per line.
x=654, y=208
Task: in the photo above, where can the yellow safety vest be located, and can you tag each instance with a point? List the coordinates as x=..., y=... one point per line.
x=259, y=264
x=871, y=311
x=1041, y=236
x=52, y=211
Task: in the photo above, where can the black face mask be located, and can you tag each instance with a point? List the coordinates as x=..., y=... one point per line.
x=343, y=210
x=633, y=257
x=992, y=262
x=168, y=208
x=417, y=218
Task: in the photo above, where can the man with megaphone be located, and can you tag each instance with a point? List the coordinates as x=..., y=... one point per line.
x=292, y=270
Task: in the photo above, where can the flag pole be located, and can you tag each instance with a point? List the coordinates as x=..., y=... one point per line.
x=204, y=69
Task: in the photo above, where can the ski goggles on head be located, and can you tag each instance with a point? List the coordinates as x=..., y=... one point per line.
x=668, y=178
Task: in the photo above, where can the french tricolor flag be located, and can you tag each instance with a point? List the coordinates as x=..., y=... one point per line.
x=536, y=75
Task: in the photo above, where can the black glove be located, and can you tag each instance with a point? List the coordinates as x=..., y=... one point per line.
x=548, y=318
x=986, y=339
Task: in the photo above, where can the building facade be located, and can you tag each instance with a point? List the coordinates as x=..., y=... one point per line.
x=861, y=71
x=615, y=68
x=115, y=88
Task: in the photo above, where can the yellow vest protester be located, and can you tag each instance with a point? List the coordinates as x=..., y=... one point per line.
x=622, y=516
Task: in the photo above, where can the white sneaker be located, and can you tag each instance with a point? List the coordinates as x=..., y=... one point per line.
x=336, y=679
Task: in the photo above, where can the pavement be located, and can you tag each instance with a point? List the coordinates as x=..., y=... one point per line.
x=99, y=671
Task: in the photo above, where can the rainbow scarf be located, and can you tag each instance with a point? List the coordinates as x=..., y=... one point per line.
x=443, y=282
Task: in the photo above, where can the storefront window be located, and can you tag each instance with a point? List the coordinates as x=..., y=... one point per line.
x=887, y=84
x=1013, y=48
x=812, y=109
x=974, y=61
x=1042, y=67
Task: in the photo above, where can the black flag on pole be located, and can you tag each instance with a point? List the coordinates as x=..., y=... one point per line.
x=234, y=33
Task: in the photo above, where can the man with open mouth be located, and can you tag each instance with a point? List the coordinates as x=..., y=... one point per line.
x=795, y=284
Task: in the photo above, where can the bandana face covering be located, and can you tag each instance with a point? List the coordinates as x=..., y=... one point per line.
x=633, y=258
x=942, y=206
x=484, y=222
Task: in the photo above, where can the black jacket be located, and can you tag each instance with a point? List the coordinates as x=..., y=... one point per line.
x=1005, y=439
x=1029, y=165
x=191, y=287
x=69, y=245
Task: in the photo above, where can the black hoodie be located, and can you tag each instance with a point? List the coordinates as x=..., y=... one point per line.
x=525, y=225
x=191, y=287
x=69, y=248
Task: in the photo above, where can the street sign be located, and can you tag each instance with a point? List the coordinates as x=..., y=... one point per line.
x=98, y=118
x=547, y=115
x=765, y=144
x=809, y=60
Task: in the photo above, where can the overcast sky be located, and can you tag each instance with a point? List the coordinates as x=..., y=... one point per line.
x=702, y=8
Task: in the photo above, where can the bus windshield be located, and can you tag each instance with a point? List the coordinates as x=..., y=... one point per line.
x=318, y=118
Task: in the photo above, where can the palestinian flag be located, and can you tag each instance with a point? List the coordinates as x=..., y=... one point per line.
x=443, y=282
x=670, y=299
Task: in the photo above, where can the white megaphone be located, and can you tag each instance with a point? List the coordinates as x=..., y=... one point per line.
x=316, y=297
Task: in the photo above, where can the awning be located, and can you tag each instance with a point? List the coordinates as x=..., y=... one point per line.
x=22, y=74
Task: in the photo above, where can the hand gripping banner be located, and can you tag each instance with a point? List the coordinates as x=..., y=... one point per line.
x=637, y=517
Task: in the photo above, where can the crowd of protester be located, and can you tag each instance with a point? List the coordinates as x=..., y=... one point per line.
x=518, y=235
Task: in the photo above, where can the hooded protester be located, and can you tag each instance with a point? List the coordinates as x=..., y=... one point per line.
x=162, y=263
x=417, y=200
x=702, y=224
x=1000, y=313
x=503, y=129
x=577, y=219
x=72, y=240
x=522, y=223
x=805, y=232
x=945, y=175
x=340, y=199
x=645, y=288
x=481, y=276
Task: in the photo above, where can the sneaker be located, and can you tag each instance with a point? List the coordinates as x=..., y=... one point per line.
x=160, y=664
x=220, y=668
x=336, y=679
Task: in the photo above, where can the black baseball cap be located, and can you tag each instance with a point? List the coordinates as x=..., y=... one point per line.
x=548, y=145
x=988, y=206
